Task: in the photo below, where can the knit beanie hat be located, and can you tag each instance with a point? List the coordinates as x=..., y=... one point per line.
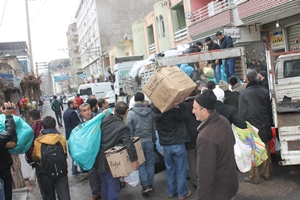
x=207, y=99
x=92, y=102
x=219, y=94
x=223, y=85
x=263, y=73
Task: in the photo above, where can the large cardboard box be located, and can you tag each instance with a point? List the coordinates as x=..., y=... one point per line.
x=167, y=85
x=118, y=159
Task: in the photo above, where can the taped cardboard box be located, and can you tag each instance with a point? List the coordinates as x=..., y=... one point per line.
x=166, y=86
x=118, y=159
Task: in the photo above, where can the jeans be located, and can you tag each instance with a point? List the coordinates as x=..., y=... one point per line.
x=5, y=175
x=95, y=182
x=110, y=186
x=38, y=172
x=58, y=117
x=176, y=163
x=60, y=186
x=217, y=72
x=146, y=170
x=230, y=67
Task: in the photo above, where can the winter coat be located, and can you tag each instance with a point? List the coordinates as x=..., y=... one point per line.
x=9, y=135
x=254, y=107
x=230, y=113
x=49, y=136
x=114, y=131
x=141, y=123
x=232, y=99
x=226, y=42
x=264, y=83
x=214, y=46
x=36, y=127
x=216, y=168
x=56, y=105
x=238, y=87
x=191, y=124
x=79, y=101
x=171, y=125
x=71, y=120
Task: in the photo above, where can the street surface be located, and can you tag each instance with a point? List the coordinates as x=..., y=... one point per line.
x=284, y=185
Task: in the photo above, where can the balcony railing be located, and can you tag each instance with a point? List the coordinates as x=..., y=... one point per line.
x=181, y=34
x=213, y=8
x=152, y=48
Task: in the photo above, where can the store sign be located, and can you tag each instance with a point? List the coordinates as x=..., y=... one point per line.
x=276, y=38
x=233, y=32
x=297, y=46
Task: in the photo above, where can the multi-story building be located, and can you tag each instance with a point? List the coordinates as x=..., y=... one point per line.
x=162, y=29
x=101, y=24
x=18, y=49
x=74, y=55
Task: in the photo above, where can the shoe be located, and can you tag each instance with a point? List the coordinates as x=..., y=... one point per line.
x=171, y=196
x=187, y=195
x=97, y=198
x=150, y=188
x=145, y=189
x=75, y=173
x=122, y=184
x=264, y=177
x=249, y=180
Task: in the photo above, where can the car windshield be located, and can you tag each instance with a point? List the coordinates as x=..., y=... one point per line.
x=87, y=91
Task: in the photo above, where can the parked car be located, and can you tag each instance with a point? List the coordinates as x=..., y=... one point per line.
x=110, y=98
x=68, y=98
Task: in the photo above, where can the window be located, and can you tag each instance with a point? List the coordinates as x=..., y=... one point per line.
x=291, y=68
x=162, y=26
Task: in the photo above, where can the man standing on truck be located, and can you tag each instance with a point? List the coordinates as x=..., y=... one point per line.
x=216, y=64
x=254, y=105
x=225, y=43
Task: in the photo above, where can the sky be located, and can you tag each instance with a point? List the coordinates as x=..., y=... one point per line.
x=49, y=20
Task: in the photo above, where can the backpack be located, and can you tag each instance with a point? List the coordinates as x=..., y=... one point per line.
x=54, y=163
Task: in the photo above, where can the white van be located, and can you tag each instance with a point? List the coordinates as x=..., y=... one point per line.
x=97, y=89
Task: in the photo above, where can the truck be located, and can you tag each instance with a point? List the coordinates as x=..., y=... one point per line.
x=133, y=84
x=98, y=89
x=284, y=84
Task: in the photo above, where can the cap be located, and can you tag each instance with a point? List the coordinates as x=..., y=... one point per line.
x=223, y=85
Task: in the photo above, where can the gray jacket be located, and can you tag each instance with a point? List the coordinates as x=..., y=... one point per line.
x=141, y=123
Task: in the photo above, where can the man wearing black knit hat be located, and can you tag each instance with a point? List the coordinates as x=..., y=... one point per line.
x=216, y=169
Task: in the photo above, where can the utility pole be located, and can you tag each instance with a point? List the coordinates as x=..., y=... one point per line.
x=29, y=38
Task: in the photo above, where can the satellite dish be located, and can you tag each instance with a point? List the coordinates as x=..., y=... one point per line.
x=188, y=15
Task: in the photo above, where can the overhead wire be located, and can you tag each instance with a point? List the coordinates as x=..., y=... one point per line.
x=3, y=12
x=38, y=10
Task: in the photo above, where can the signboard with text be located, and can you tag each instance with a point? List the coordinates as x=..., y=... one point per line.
x=276, y=37
x=233, y=32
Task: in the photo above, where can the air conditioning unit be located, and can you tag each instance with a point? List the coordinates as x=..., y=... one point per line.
x=214, y=8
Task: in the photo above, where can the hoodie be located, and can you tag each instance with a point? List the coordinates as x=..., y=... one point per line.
x=56, y=105
x=141, y=123
x=49, y=136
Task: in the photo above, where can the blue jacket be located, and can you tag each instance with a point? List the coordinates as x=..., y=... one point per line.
x=141, y=123
x=226, y=42
x=71, y=120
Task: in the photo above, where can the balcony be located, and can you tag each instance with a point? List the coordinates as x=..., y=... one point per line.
x=210, y=18
x=152, y=48
x=255, y=10
x=180, y=35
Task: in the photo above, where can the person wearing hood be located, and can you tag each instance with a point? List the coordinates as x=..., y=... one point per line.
x=141, y=124
x=236, y=86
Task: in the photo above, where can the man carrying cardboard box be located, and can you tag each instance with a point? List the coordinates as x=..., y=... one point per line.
x=114, y=131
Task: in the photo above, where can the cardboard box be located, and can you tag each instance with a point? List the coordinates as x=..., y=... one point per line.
x=167, y=85
x=118, y=159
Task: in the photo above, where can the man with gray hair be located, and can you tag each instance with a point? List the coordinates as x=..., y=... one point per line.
x=254, y=105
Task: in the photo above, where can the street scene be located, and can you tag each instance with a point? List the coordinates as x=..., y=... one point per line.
x=149, y=99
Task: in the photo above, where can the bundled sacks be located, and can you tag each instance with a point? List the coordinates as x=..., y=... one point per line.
x=24, y=134
x=84, y=142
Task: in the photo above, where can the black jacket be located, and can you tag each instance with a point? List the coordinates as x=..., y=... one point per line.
x=226, y=42
x=254, y=107
x=114, y=131
x=56, y=105
x=171, y=125
x=264, y=83
x=232, y=99
x=230, y=113
x=71, y=120
x=214, y=46
x=191, y=125
x=9, y=135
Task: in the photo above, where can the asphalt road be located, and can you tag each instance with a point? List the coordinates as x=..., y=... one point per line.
x=284, y=185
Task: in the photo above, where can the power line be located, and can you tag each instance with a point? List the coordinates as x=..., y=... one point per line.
x=3, y=13
x=38, y=10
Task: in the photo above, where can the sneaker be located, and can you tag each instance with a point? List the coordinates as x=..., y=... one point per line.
x=145, y=189
x=122, y=184
x=187, y=195
x=249, y=180
x=264, y=177
x=172, y=196
x=150, y=187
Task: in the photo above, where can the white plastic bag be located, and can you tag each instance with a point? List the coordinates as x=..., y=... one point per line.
x=133, y=179
x=242, y=153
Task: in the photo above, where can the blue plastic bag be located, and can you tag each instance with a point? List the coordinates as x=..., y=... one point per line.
x=25, y=134
x=223, y=73
x=84, y=142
